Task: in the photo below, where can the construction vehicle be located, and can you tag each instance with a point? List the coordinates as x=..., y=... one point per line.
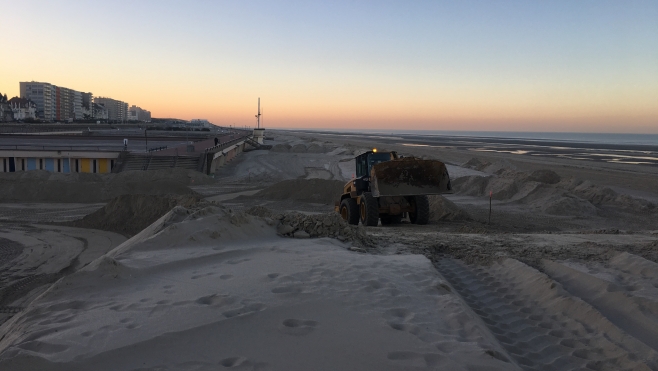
x=388, y=187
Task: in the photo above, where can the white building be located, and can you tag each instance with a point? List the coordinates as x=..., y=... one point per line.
x=44, y=96
x=116, y=110
x=23, y=108
x=138, y=114
x=200, y=123
x=78, y=112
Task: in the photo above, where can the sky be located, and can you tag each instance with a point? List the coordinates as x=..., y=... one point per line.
x=581, y=66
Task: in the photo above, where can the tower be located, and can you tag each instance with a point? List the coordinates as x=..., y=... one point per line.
x=259, y=134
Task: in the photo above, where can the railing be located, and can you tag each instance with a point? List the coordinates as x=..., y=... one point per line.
x=155, y=149
x=147, y=162
x=225, y=144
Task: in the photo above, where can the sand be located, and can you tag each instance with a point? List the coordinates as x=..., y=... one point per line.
x=232, y=295
x=563, y=278
x=129, y=214
x=44, y=186
x=304, y=190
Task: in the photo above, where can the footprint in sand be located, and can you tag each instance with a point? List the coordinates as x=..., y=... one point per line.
x=216, y=300
x=287, y=290
x=414, y=359
x=298, y=327
x=202, y=275
x=243, y=363
x=247, y=309
x=232, y=361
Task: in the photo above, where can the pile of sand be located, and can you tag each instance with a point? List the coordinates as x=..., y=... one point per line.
x=476, y=164
x=298, y=225
x=315, y=148
x=536, y=191
x=298, y=148
x=322, y=191
x=545, y=191
x=442, y=209
x=545, y=176
x=285, y=148
x=44, y=186
x=129, y=214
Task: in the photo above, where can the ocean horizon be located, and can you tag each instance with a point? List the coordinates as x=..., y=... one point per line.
x=606, y=138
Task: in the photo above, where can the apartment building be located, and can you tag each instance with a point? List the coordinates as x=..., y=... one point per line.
x=87, y=109
x=44, y=96
x=98, y=111
x=55, y=103
x=138, y=114
x=116, y=109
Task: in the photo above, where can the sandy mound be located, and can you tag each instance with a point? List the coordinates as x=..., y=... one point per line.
x=315, y=148
x=442, y=209
x=536, y=191
x=281, y=148
x=545, y=191
x=44, y=186
x=603, y=196
x=298, y=225
x=305, y=190
x=183, y=176
x=545, y=176
x=129, y=214
x=476, y=164
x=298, y=148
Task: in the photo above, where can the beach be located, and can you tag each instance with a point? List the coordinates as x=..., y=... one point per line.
x=254, y=270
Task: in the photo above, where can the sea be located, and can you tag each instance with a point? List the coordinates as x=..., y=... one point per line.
x=621, y=148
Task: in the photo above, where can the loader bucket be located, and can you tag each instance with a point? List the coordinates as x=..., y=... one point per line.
x=409, y=177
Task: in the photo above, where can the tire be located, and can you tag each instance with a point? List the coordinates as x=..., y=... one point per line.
x=390, y=219
x=349, y=211
x=369, y=210
x=421, y=213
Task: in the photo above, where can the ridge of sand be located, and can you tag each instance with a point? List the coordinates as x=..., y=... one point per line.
x=245, y=305
x=128, y=214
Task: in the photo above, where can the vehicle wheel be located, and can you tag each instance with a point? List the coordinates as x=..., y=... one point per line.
x=349, y=211
x=369, y=210
x=390, y=219
x=421, y=213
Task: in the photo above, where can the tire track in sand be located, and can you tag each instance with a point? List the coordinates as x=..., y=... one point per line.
x=539, y=324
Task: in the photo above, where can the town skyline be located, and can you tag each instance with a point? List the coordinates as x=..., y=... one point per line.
x=510, y=66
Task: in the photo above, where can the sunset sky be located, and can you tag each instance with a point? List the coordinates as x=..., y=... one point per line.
x=588, y=66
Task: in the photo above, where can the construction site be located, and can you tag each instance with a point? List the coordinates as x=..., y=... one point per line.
x=296, y=251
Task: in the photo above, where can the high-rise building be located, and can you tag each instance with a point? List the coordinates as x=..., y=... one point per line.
x=116, y=109
x=98, y=111
x=87, y=109
x=55, y=103
x=44, y=96
x=137, y=114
